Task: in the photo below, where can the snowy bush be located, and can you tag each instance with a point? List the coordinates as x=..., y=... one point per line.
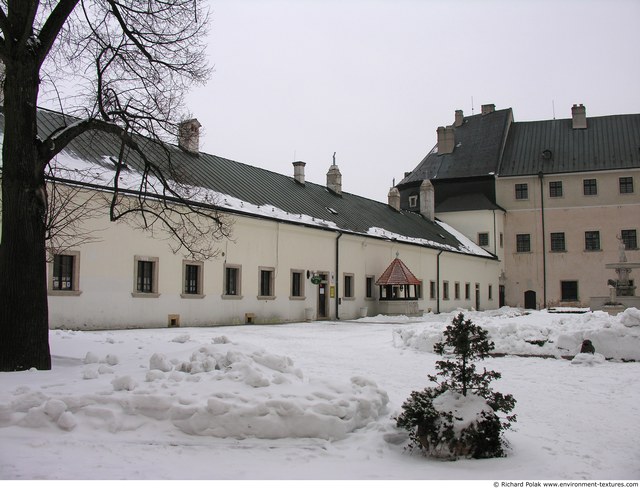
x=459, y=416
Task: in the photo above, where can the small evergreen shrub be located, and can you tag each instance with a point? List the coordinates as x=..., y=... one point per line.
x=458, y=417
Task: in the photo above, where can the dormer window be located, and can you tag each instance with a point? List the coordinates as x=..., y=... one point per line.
x=413, y=201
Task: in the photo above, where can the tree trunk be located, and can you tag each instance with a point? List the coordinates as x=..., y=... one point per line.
x=24, y=322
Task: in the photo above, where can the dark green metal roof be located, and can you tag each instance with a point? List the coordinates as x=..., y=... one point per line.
x=478, y=145
x=552, y=146
x=349, y=213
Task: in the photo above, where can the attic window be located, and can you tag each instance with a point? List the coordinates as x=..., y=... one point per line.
x=334, y=212
x=547, y=154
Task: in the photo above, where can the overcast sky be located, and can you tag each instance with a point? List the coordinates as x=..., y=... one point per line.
x=372, y=80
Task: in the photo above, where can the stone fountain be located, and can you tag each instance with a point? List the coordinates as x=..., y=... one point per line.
x=621, y=292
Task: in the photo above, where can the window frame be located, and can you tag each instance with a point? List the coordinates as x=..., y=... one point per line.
x=348, y=291
x=555, y=238
x=626, y=185
x=238, y=281
x=301, y=288
x=370, y=287
x=555, y=189
x=456, y=290
x=445, y=290
x=75, y=275
x=521, y=191
x=591, y=239
x=520, y=241
x=413, y=201
x=199, y=265
x=433, y=291
x=563, y=284
x=467, y=291
x=483, y=239
x=155, y=268
x=632, y=237
x=590, y=187
x=271, y=283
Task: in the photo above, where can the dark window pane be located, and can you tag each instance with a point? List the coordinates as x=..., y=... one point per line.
x=191, y=273
x=592, y=240
x=557, y=241
x=145, y=277
x=62, y=272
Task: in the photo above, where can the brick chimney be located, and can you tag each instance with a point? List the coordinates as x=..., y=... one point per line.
x=298, y=171
x=189, y=136
x=459, y=118
x=488, y=108
x=394, y=198
x=427, y=200
x=579, y=116
x=446, y=140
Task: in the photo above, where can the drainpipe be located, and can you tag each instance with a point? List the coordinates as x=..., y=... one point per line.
x=337, y=275
x=438, y=282
x=544, y=243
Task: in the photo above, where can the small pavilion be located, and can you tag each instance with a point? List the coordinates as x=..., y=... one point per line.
x=399, y=290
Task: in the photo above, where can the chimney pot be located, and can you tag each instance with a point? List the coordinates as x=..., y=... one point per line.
x=189, y=136
x=298, y=171
x=394, y=198
x=427, y=200
x=488, y=108
x=578, y=116
x=446, y=140
x=459, y=118
x=334, y=178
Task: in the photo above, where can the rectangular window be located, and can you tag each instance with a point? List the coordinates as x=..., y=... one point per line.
x=569, y=291
x=370, y=282
x=483, y=239
x=555, y=189
x=63, y=272
x=413, y=201
x=297, y=283
x=523, y=242
x=432, y=290
x=557, y=242
x=146, y=276
x=629, y=238
x=626, y=184
x=192, y=279
x=467, y=291
x=266, y=282
x=501, y=240
x=456, y=290
x=590, y=186
x=522, y=191
x=592, y=240
x=232, y=281
x=490, y=292
x=348, y=286
x=445, y=290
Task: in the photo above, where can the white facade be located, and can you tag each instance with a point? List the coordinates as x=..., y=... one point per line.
x=281, y=256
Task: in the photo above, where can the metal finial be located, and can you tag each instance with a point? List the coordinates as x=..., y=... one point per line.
x=334, y=158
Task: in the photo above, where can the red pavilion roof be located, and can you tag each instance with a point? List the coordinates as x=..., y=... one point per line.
x=397, y=274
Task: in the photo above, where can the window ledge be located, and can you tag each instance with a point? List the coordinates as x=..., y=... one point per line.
x=349, y=299
x=136, y=294
x=297, y=298
x=260, y=297
x=231, y=297
x=593, y=250
x=191, y=295
x=64, y=293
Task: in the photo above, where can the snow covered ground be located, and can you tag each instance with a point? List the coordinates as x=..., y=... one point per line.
x=317, y=401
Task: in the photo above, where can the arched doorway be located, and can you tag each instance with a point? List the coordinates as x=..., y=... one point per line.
x=530, y=299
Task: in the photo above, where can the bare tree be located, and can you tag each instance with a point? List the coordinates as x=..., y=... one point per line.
x=131, y=62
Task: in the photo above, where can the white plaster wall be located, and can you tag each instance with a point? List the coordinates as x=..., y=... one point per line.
x=106, y=277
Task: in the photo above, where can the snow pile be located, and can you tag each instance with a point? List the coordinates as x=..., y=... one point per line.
x=466, y=410
x=220, y=390
x=514, y=331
